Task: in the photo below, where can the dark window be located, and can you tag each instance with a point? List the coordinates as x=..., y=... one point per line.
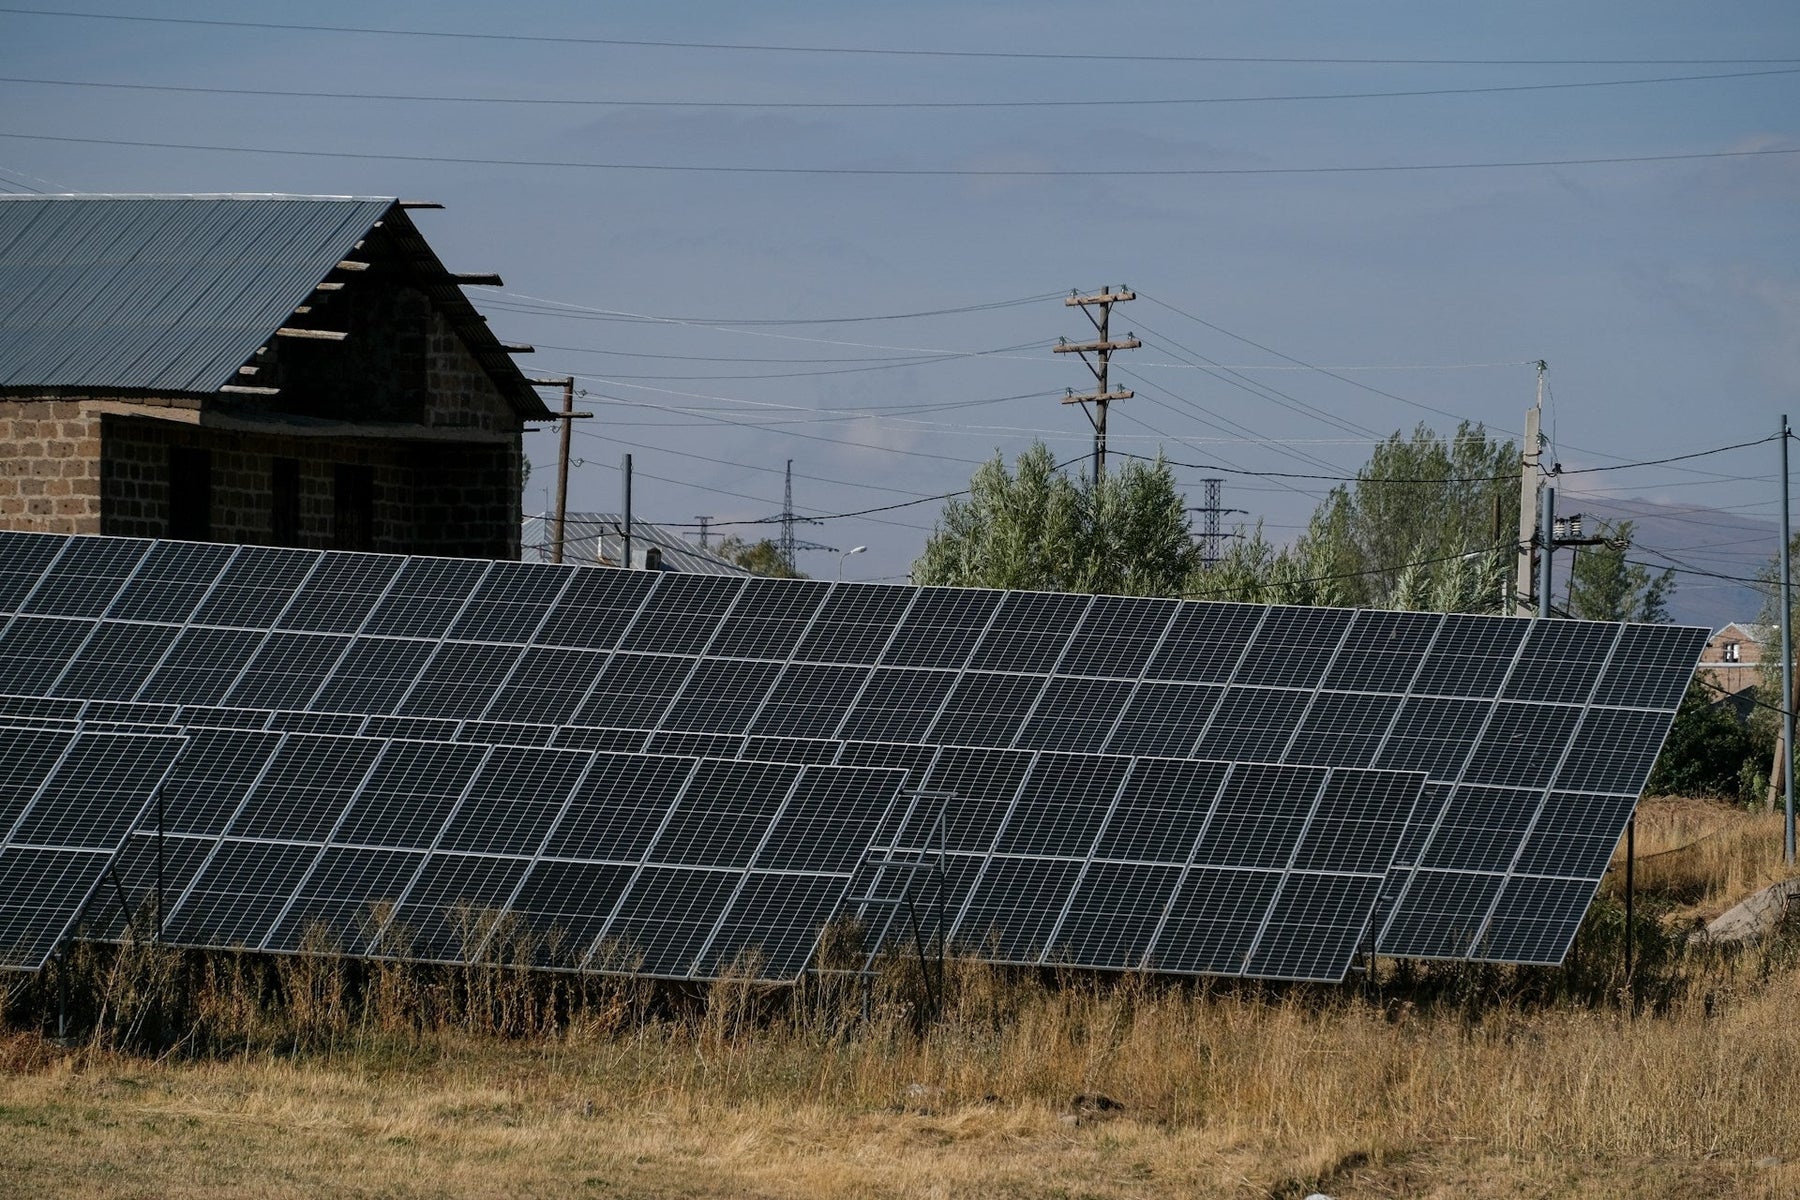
x=284, y=510
x=190, y=494
x=354, y=507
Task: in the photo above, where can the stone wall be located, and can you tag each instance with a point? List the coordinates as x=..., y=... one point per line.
x=458, y=391
x=49, y=467
x=429, y=497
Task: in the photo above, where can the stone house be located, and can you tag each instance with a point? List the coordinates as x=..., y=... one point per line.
x=285, y=370
x=1732, y=659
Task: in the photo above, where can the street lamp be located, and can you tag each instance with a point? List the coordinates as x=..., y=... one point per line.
x=843, y=556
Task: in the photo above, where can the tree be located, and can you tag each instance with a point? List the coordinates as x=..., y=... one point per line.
x=1422, y=500
x=1707, y=750
x=1604, y=586
x=759, y=558
x=1035, y=527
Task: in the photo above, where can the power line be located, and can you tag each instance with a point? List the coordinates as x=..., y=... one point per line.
x=1674, y=458
x=986, y=306
x=916, y=172
x=768, y=48
x=1180, y=312
x=1653, y=462
x=864, y=512
x=889, y=105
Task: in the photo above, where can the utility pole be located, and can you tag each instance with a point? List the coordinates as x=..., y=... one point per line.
x=567, y=416
x=704, y=521
x=1528, y=495
x=1101, y=349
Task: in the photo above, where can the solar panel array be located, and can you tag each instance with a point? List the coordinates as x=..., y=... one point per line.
x=1534, y=737
x=658, y=865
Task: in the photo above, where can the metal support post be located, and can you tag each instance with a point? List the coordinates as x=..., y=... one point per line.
x=1630, y=891
x=1787, y=656
x=625, y=533
x=1547, y=540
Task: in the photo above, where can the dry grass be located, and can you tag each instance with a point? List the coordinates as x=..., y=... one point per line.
x=300, y=1079
x=1218, y=1096
x=1703, y=856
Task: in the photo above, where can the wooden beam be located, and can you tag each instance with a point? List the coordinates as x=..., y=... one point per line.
x=248, y=370
x=477, y=278
x=420, y=204
x=1118, y=394
x=350, y=264
x=315, y=335
x=328, y=286
x=300, y=310
x=246, y=390
x=518, y=348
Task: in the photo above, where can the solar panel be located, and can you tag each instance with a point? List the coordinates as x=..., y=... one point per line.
x=66, y=801
x=438, y=851
x=1530, y=734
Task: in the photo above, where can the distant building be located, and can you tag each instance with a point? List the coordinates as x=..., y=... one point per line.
x=1732, y=660
x=287, y=370
x=596, y=539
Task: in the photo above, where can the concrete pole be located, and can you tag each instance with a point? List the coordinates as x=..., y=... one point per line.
x=1528, y=494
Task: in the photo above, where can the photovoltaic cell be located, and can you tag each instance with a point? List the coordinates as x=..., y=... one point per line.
x=83, y=580
x=23, y=559
x=114, y=661
x=593, y=611
x=339, y=596
x=425, y=598
x=170, y=582
x=941, y=627
x=68, y=801
x=256, y=587
x=854, y=624
x=769, y=618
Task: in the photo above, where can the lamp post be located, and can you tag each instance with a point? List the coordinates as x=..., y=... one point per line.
x=846, y=554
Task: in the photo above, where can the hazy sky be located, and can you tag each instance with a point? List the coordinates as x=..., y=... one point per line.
x=1665, y=295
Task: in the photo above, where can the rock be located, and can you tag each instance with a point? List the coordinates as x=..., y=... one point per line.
x=1762, y=913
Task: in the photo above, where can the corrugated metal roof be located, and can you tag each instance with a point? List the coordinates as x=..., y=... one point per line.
x=591, y=539
x=166, y=293
x=174, y=293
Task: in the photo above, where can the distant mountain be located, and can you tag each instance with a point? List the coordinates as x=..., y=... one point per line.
x=1698, y=539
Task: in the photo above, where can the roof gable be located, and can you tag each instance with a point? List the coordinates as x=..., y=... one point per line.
x=172, y=294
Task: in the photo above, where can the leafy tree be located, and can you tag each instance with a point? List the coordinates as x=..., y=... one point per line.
x=1419, y=498
x=759, y=558
x=1035, y=527
x=1707, y=750
x=1603, y=586
x=1254, y=570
